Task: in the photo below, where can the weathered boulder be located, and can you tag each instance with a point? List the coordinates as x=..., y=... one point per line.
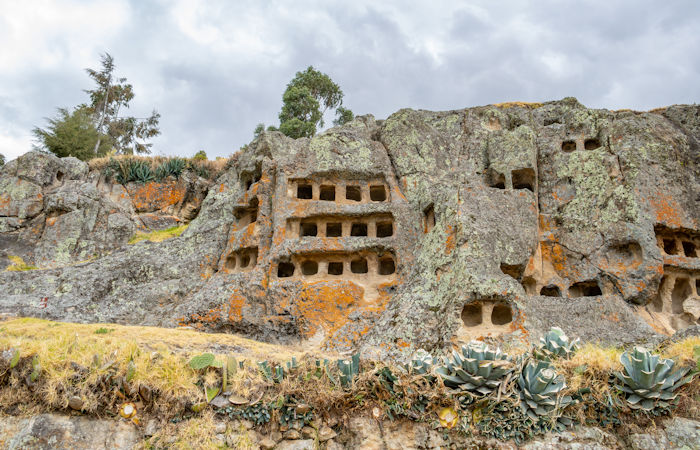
x=426, y=229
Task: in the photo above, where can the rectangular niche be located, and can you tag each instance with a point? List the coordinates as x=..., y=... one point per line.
x=524, y=179
x=385, y=229
x=428, y=219
x=243, y=259
x=587, y=288
x=359, y=265
x=377, y=193
x=358, y=229
x=386, y=266
x=308, y=229
x=285, y=269
x=327, y=193
x=353, y=193
x=305, y=191
x=335, y=268
x=334, y=229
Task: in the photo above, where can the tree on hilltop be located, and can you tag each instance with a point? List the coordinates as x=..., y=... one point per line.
x=91, y=130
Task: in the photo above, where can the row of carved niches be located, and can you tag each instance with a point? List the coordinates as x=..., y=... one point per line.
x=587, y=288
x=571, y=145
x=485, y=318
x=245, y=215
x=373, y=226
x=519, y=179
x=677, y=304
x=339, y=191
x=678, y=243
x=364, y=266
x=242, y=260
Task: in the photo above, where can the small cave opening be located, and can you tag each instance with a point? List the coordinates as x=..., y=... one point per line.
x=514, y=271
x=253, y=210
x=591, y=144
x=377, y=193
x=285, y=270
x=568, y=146
x=327, y=193
x=353, y=193
x=305, y=191
x=530, y=286
x=385, y=229
x=428, y=218
x=386, y=266
x=309, y=229
x=472, y=314
x=335, y=268
x=358, y=265
x=334, y=229
x=524, y=179
x=670, y=246
x=689, y=249
x=496, y=179
x=245, y=260
x=231, y=261
x=59, y=176
x=309, y=267
x=501, y=314
x=681, y=291
x=588, y=288
x=358, y=229
x=550, y=290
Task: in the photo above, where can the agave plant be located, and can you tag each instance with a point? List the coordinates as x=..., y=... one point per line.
x=540, y=389
x=555, y=344
x=479, y=369
x=648, y=380
x=421, y=363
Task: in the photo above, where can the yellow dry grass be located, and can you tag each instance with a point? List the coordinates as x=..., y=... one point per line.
x=160, y=355
x=158, y=236
x=527, y=105
x=590, y=364
x=18, y=264
x=683, y=351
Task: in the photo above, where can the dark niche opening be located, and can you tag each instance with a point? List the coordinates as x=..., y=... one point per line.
x=305, y=191
x=550, y=291
x=358, y=265
x=245, y=261
x=501, y=314
x=358, y=229
x=353, y=193
x=591, y=144
x=428, y=219
x=386, y=266
x=377, y=193
x=587, y=288
x=681, y=291
x=335, y=268
x=512, y=270
x=231, y=261
x=568, y=146
x=309, y=268
x=385, y=229
x=524, y=179
x=334, y=229
x=670, y=247
x=309, y=229
x=496, y=179
x=472, y=314
x=285, y=269
x=689, y=249
x=327, y=193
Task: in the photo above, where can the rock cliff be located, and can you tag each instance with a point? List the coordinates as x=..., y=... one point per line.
x=421, y=230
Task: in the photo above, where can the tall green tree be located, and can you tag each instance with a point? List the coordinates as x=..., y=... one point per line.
x=91, y=130
x=73, y=133
x=307, y=98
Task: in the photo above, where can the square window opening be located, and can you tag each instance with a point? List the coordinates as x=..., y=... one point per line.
x=358, y=265
x=385, y=229
x=377, y=193
x=334, y=229
x=386, y=266
x=335, y=268
x=353, y=193
x=309, y=229
x=358, y=229
x=309, y=268
x=327, y=193
x=285, y=270
x=305, y=191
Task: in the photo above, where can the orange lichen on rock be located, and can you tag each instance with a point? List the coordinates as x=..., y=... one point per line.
x=450, y=241
x=235, y=307
x=156, y=196
x=326, y=305
x=666, y=209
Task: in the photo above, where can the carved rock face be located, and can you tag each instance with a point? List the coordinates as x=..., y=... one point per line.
x=426, y=229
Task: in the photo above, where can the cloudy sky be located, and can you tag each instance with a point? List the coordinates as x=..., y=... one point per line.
x=214, y=69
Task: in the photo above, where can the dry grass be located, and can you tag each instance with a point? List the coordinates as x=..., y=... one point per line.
x=526, y=105
x=683, y=351
x=18, y=265
x=159, y=235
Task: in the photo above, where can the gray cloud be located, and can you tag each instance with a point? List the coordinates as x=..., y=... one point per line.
x=215, y=69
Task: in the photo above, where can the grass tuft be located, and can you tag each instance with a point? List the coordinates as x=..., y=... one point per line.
x=18, y=265
x=158, y=236
x=526, y=105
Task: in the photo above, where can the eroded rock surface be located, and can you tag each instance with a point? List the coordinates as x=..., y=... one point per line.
x=422, y=230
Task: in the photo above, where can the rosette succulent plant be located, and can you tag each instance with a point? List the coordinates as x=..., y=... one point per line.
x=648, y=381
x=421, y=363
x=555, y=344
x=479, y=369
x=540, y=389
